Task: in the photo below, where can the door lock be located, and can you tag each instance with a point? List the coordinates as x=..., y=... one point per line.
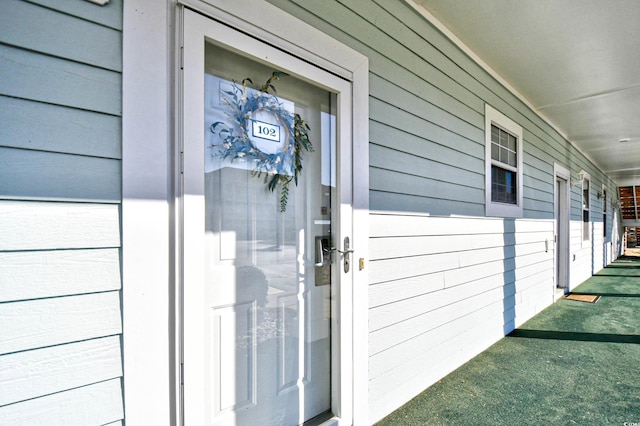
x=323, y=252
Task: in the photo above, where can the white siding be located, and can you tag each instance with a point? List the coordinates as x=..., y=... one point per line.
x=51, y=273
x=443, y=289
x=48, y=322
x=72, y=408
x=30, y=374
x=41, y=226
x=445, y=281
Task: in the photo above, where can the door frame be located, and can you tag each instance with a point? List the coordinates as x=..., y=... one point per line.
x=561, y=206
x=320, y=54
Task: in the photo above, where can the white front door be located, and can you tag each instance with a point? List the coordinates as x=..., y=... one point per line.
x=561, y=228
x=259, y=291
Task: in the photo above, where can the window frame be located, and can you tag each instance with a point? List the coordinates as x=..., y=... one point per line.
x=604, y=198
x=586, y=225
x=494, y=208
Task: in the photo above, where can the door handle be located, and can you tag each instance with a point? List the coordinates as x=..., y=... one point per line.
x=346, y=253
x=342, y=251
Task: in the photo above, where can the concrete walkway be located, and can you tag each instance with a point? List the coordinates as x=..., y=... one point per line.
x=575, y=363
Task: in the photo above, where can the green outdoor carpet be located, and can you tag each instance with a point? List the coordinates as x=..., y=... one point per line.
x=575, y=363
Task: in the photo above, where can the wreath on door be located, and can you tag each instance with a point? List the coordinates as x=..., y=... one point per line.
x=280, y=168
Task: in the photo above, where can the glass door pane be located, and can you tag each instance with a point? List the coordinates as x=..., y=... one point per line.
x=268, y=271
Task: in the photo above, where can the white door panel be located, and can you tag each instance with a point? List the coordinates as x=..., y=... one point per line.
x=259, y=316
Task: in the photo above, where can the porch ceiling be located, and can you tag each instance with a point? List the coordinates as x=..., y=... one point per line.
x=577, y=62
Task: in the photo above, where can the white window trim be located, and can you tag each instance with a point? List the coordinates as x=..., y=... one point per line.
x=492, y=208
x=606, y=234
x=586, y=242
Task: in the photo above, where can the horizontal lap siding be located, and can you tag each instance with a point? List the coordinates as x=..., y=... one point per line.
x=49, y=322
x=59, y=288
x=63, y=407
x=40, y=77
x=422, y=361
x=110, y=17
x=58, y=368
x=445, y=282
x=27, y=225
x=28, y=274
x=60, y=180
x=36, y=28
x=84, y=133
x=433, y=279
x=51, y=176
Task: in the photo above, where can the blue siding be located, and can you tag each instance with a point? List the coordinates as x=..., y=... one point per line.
x=44, y=78
x=427, y=167
x=32, y=27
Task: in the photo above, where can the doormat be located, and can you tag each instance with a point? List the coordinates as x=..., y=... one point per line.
x=589, y=298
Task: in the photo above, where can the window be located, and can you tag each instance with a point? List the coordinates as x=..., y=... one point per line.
x=503, y=172
x=586, y=228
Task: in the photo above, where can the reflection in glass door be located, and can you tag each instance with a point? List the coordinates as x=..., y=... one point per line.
x=268, y=273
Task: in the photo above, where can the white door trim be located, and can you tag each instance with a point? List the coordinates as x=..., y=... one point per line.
x=260, y=20
x=561, y=213
x=149, y=357
x=268, y=23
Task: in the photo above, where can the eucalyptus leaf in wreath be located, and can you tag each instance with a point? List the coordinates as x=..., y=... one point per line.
x=280, y=168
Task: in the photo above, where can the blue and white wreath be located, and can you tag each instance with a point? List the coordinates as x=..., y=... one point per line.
x=280, y=168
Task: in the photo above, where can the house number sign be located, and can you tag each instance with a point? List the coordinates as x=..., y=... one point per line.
x=262, y=130
x=244, y=107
